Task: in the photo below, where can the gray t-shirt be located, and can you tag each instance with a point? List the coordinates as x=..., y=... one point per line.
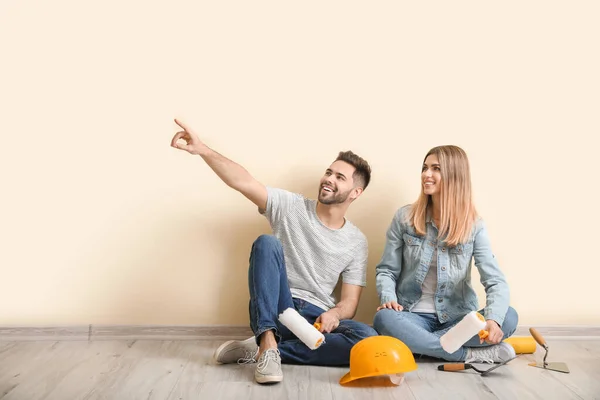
x=315, y=255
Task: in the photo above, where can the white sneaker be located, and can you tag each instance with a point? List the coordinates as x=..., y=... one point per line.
x=240, y=351
x=268, y=369
x=490, y=354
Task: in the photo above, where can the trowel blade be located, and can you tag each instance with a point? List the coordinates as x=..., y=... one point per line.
x=554, y=366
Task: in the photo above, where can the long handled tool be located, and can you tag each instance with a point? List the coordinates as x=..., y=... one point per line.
x=465, y=366
x=554, y=366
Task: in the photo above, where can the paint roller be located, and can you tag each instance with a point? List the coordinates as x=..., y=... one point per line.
x=472, y=324
x=299, y=326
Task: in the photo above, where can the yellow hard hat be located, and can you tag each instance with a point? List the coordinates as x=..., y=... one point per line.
x=379, y=355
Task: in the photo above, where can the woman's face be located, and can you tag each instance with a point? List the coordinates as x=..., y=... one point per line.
x=431, y=177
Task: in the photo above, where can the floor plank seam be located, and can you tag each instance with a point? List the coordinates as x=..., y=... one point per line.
x=178, y=379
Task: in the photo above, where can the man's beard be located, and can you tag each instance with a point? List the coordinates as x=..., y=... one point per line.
x=337, y=198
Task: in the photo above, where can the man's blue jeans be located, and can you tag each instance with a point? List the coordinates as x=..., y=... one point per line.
x=422, y=332
x=270, y=295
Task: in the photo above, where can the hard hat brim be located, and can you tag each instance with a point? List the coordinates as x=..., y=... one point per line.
x=347, y=378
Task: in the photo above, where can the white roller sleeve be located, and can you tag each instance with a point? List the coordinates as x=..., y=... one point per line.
x=460, y=333
x=300, y=327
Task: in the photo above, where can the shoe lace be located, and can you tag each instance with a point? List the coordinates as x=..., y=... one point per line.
x=483, y=355
x=249, y=357
x=271, y=354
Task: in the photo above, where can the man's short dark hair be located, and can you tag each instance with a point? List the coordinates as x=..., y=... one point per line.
x=362, y=175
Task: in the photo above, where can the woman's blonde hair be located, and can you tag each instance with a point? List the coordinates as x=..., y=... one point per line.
x=458, y=212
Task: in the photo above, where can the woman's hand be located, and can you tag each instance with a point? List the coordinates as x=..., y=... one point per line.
x=392, y=305
x=495, y=333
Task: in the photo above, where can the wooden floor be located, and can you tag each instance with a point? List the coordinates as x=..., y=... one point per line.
x=155, y=369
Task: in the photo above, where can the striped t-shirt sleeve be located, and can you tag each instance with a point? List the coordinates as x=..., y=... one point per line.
x=279, y=203
x=356, y=272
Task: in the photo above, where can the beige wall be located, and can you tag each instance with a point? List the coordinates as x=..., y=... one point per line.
x=103, y=222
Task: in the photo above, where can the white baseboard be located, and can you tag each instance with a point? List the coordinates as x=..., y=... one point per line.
x=216, y=332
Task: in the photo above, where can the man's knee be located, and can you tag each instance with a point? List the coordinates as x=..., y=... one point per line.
x=266, y=243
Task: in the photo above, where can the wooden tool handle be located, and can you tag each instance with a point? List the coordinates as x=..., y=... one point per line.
x=483, y=334
x=454, y=367
x=317, y=325
x=538, y=337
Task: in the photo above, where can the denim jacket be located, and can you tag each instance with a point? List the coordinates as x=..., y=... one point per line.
x=405, y=262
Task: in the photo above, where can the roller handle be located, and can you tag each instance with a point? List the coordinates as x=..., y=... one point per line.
x=482, y=333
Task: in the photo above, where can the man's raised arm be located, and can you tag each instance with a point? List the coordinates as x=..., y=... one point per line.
x=233, y=174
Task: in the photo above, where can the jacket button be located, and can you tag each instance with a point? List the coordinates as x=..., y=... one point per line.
x=443, y=268
x=443, y=249
x=440, y=300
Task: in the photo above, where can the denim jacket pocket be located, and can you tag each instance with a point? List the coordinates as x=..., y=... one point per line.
x=410, y=240
x=412, y=247
x=461, y=255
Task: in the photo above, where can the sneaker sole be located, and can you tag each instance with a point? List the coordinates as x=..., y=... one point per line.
x=268, y=379
x=220, y=349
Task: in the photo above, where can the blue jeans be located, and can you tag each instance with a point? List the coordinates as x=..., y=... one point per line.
x=270, y=295
x=421, y=332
